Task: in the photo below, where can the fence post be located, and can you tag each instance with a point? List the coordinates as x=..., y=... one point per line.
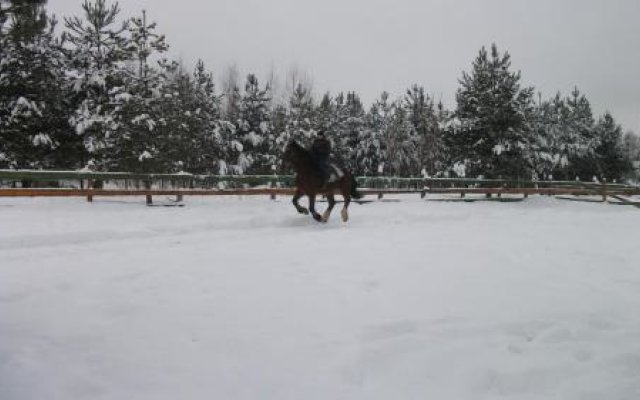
x=89, y=189
x=604, y=189
x=147, y=186
x=273, y=186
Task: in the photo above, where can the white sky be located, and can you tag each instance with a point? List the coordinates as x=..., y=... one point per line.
x=372, y=45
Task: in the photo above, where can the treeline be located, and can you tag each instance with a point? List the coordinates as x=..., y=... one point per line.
x=100, y=94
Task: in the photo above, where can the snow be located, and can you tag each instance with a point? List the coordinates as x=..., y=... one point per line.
x=41, y=139
x=144, y=156
x=123, y=97
x=253, y=138
x=241, y=298
x=139, y=118
x=97, y=79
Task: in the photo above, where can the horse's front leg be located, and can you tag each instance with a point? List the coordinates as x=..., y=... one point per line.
x=327, y=212
x=297, y=205
x=312, y=208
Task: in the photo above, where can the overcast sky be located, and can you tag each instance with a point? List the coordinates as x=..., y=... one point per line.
x=372, y=45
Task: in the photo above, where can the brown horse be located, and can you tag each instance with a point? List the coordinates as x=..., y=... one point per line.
x=309, y=182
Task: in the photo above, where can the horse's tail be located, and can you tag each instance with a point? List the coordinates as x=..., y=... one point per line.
x=354, y=189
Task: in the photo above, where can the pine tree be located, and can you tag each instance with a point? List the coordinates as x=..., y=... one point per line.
x=631, y=146
x=295, y=122
x=181, y=126
x=4, y=16
x=280, y=126
x=135, y=142
x=494, y=113
x=348, y=129
x=194, y=138
x=34, y=132
x=612, y=163
x=28, y=18
x=370, y=150
x=580, y=138
x=402, y=143
x=548, y=146
x=300, y=122
x=424, y=117
x=210, y=141
x=379, y=122
x=254, y=129
x=98, y=73
x=231, y=95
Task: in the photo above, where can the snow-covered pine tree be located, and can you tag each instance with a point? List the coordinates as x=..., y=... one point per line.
x=34, y=128
x=370, y=147
x=494, y=113
x=210, y=140
x=254, y=129
x=631, y=146
x=27, y=18
x=233, y=160
x=349, y=128
x=136, y=141
x=379, y=121
x=97, y=73
x=444, y=117
x=4, y=16
x=279, y=123
x=548, y=147
x=295, y=122
x=580, y=138
x=231, y=150
x=402, y=144
x=612, y=163
x=424, y=117
x=177, y=127
x=300, y=121
x=231, y=96
x=325, y=115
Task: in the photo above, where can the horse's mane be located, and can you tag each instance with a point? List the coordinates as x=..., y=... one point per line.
x=300, y=150
x=305, y=160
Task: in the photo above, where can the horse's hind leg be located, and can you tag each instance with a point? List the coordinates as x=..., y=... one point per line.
x=332, y=202
x=312, y=208
x=345, y=213
x=298, y=207
x=345, y=190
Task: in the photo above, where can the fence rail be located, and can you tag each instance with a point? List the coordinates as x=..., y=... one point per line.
x=20, y=183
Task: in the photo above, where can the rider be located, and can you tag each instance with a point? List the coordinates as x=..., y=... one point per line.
x=320, y=150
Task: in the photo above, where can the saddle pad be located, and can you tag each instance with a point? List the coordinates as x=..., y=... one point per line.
x=336, y=173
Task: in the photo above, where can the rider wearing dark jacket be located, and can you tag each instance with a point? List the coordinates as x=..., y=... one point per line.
x=320, y=151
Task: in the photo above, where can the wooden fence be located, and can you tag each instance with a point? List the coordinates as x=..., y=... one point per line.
x=20, y=183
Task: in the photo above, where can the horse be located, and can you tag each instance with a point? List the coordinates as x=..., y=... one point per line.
x=309, y=182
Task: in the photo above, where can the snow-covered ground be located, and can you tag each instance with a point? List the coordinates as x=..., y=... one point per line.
x=234, y=298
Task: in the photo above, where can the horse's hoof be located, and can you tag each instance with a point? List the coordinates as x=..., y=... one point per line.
x=345, y=216
x=317, y=217
x=303, y=211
